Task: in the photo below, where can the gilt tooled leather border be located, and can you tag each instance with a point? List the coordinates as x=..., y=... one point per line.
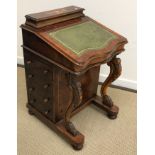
x=84, y=37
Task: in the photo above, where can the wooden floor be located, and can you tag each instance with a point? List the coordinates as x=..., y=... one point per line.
x=102, y=136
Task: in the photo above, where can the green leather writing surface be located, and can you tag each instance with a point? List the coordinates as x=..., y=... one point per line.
x=83, y=37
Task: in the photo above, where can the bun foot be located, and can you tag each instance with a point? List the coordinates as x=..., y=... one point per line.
x=30, y=112
x=112, y=116
x=77, y=146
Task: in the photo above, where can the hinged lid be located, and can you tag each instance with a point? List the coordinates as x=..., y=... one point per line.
x=83, y=37
x=80, y=40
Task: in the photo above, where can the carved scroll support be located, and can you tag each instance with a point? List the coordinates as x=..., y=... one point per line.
x=75, y=89
x=115, y=72
x=105, y=102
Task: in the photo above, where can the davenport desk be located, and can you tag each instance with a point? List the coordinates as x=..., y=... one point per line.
x=63, y=51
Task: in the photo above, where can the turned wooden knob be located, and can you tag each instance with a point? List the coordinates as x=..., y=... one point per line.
x=46, y=100
x=46, y=85
x=46, y=112
x=32, y=101
x=30, y=76
x=45, y=71
x=30, y=89
x=29, y=61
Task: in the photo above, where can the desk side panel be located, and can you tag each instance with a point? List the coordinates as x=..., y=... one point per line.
x=33, y=42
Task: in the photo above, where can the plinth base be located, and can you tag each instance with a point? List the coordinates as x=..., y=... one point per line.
x=59, y=127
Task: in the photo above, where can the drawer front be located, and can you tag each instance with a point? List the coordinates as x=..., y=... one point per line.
x=39, y=79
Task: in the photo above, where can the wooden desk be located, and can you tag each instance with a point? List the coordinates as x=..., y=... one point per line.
x=63, y=51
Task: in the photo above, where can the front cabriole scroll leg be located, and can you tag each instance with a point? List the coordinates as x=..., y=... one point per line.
x=105, y=102
x=115, y=72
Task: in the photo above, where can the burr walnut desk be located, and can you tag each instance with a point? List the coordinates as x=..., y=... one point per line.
x=63, y=51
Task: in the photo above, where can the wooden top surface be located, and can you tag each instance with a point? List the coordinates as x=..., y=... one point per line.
x=54, y=13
